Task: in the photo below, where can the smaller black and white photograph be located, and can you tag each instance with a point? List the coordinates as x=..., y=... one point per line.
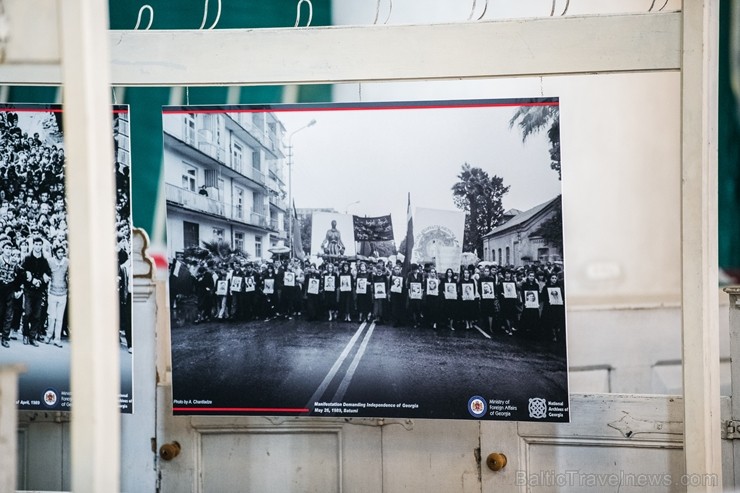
x=394, y=247
x=34, y=254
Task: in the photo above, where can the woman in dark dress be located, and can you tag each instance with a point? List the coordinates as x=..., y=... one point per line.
x=552, y=297
x=363, y=291
x=330, y=287
x=468, y=304
x=345, y=286
x=449, y=307
x=530, y=319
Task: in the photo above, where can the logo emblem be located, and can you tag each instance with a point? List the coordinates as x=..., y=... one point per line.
x=477, y=406
x=537, y=408
x=50, y=397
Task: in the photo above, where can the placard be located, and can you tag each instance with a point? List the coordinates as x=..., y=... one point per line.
x=236, y=284
x=379, y=290
x=249, y=284
x=289, y=279
x=313, y=286
x=222, y=287
x=555, y=296
x=531, y=299
x=361, y=286
x=432, y=287
x=34, y=253
x=268, y=286
x=487, y=292
x=444, y=185
x=509, y=289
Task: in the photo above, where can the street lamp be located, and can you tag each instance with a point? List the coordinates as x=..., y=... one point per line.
x=290, y=180
x=346, y=207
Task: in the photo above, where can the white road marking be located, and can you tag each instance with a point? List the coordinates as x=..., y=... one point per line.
x=353, y=366
x=482, y=332
x=333, y=371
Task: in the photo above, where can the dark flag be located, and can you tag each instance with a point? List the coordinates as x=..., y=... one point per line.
x=409, y=239
x=373, y=228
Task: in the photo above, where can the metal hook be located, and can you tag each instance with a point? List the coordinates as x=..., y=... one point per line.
x=472, y=11
x=377, y=12
x=205, y=16
x=552, y=11
x=298, y=12
x=151, y=17
x=652, y=5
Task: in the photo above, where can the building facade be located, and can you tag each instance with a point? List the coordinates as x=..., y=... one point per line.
x=224, y=179
x=519, y=240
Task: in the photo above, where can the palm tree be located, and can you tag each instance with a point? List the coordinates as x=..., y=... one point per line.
x=480, y=196
x=533, y=119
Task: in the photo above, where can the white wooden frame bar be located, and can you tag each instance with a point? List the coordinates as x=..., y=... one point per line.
x=559, y=46
x=532, y=47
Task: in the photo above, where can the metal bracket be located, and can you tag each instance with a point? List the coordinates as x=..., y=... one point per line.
x=731, y=430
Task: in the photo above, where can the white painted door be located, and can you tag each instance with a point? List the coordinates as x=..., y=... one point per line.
x=615, y=442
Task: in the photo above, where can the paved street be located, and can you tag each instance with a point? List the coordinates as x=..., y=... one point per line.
x=348, y=369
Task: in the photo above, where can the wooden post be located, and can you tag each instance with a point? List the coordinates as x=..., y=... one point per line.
x=8, y=426
x=88, y=127
x=700, y=322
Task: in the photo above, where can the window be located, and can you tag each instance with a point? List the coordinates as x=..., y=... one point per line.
x=493, y=254
x=218, y=234
x=508, y=256
x=500, y=258
x=542, y=254
x=239, y=203
x=236, y=157
x=258, y=246
x=188, y=132
x=188, y=179
x=190, y=234
x=239, y=241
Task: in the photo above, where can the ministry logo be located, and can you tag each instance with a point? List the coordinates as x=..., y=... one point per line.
x=537, y=408
x=50, y=397
x=477, y=406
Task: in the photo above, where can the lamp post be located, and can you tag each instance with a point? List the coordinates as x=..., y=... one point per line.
x=290, y=180
x=346, y=207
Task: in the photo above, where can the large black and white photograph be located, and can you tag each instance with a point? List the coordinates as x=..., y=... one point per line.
x=393, y=249
x=34, y=254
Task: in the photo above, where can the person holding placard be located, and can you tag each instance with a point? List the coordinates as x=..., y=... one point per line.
x=509, y=300
x=346, y=284
x=489, y=287
x=432, y=300
x=468, y=304
x=398, y=297
x=530, y=320
x=313, y=293
x=414, y=282
x=363, y=293
x=250, y=282
x=448, y=286
x=380, y=283
x=267, y=288
x=552, y=297
x=330, y=284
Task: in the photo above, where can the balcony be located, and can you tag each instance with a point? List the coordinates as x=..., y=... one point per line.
x=194, y=201
x=278, y=202
x=200, y=203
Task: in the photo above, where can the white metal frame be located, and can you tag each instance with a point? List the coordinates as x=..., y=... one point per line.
x=685, y=41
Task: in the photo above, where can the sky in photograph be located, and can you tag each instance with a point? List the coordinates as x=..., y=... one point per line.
x=366, y=162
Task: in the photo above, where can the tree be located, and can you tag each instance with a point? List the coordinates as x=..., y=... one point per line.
x=479, y=195
x=533, y=119
x=306, y=224
x=552, y=230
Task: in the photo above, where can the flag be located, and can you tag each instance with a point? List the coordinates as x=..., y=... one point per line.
x=409, y=238
x=297, y=240
x=373, y=228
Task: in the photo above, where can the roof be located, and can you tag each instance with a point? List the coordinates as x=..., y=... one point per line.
x=523, y=217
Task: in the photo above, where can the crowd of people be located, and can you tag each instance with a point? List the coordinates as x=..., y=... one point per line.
x=509, y=300
x=34, y=266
